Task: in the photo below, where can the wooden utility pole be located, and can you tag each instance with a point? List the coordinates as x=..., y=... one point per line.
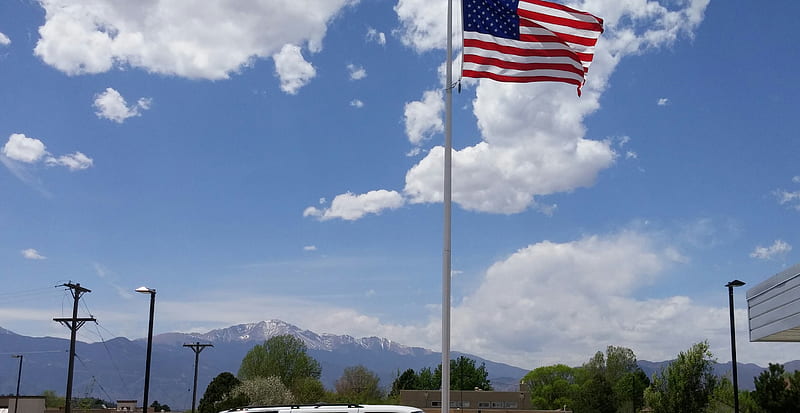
x=197, y=348
x=73, y=324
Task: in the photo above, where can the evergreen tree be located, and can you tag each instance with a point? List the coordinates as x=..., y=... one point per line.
x=214, y=398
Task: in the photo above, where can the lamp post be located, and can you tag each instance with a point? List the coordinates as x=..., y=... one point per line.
x=19, y=376
x=152, y=292
x=731, y=285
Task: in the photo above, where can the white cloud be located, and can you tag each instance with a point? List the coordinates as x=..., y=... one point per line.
x=375, y=36
x=423, y=118
x=788, y=197
x=74, y=162
x=176, y=37
x=777, y=249
x=424, y=23
x=310, y=248
x=356, y=72
x=631, y=155
x=357, y=103
x=546, y=303
x=112, y=106
x=4, y=40
x=32, y=254
x=663, y=102
x=349, y=206
x=24, y=149
x=31, y=150
x=292, y=69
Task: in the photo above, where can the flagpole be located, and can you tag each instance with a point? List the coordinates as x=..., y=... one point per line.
x=446, y=251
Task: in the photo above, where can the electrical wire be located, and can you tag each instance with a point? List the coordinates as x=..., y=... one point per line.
x=94, y=381
x=110, y=356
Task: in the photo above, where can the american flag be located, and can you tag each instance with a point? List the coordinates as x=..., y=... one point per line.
x=528, y=41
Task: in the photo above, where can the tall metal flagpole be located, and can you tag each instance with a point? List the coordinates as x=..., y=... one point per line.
x=446, y=252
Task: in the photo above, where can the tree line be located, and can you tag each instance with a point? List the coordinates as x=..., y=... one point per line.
x=281, y=372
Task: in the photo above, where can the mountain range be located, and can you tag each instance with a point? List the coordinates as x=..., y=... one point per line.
x=114, y=369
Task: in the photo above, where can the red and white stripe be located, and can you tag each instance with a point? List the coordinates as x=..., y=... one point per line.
x=556, y=44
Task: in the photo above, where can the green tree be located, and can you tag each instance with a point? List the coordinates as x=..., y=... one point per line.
x=427, y=380
x=552, y=387
x=777, y=391
x=618, y=367
x=216, y=392
x=51, y=399
x=629, y=390
x=283, y=357
x=158, y=407
x=87, y=403
x=686, y=384
x=596, y=396
x=405, y=381
x=264, y=391
x=359, y=385
x=308, y=390
x=465, y=376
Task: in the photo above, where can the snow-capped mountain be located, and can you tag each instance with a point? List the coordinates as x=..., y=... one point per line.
x=117, y=364
x=264, y=330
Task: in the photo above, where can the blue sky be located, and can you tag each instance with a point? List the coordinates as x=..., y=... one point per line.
x=282, y=159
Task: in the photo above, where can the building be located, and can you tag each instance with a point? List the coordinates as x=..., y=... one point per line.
x=773, y=307
x=127, y=406
x=472, y=401
x=27, y=404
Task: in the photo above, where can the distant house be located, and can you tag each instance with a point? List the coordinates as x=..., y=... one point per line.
x=127, y=406
x=27, y=404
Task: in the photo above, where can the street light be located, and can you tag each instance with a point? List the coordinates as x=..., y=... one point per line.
x=152, y=292
x=19, y=376
x=730, y=285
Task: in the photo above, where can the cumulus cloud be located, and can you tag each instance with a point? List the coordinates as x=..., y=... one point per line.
x=662, y=102
x=310, y=248
x=349, y=206
x=356, y=72
x=4, y=40
x=548, y=302
x=357, y=103
x=778, y=248
x=27, y=150
x=32, y=254
x=423, y=118
x=24, y=149
x=112, y=106
x=292, y=69
x=424, y=23
x=177, y=37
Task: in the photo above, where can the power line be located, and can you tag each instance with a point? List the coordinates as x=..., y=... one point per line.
x=110, y=357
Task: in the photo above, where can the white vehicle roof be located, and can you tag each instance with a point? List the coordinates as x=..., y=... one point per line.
x=327, y=408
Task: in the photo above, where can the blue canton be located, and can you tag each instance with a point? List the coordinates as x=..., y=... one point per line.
x=495, y=17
